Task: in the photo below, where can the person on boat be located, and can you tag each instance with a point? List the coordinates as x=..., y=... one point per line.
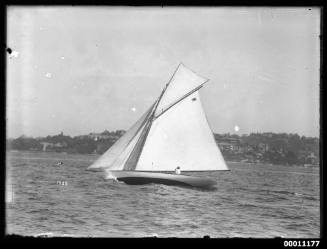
x=178, y=170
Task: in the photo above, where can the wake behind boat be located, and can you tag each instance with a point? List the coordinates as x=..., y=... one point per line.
x=173, y=133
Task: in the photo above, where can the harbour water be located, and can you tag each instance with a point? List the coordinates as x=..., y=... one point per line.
x=251, y=200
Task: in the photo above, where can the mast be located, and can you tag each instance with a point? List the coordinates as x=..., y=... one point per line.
x=165, y=88
x=134, y=156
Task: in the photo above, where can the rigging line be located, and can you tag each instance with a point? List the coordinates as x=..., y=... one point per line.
x=173, y=75
x=179, y=100
x=134, y=156
x=146, y=125
x=149, y=112
x=166, y=86
x=137, y=150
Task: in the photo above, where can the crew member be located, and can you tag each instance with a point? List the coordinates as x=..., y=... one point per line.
x=178, y=170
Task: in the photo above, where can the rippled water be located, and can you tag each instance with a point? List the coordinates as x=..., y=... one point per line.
x=250, y=201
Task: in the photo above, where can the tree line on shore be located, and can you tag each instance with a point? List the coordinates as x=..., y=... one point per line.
x=275, y=148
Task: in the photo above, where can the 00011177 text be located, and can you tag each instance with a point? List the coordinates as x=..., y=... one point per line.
x=301, y=243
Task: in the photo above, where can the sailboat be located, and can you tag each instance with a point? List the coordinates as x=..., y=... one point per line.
x=173, y=132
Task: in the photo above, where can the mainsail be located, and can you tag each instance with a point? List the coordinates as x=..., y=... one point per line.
x=173, y=132
x=181, y=137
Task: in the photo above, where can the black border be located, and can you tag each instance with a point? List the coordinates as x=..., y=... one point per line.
x=110, y=242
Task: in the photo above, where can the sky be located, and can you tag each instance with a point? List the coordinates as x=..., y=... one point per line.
x=78, y=70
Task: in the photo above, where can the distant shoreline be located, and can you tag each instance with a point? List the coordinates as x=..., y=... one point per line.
x=97, y=155
x=273, y=148
x=54, y=152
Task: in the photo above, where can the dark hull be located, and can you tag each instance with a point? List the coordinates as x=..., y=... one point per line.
x=140, y=178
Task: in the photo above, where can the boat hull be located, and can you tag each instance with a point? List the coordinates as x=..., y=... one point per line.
x=140, y=178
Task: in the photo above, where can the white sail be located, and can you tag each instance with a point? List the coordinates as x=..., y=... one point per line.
x=181, y=136
x=173, y=132
x=107, y=159
x=182, y=82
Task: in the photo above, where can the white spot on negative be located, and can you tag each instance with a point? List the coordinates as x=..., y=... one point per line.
x=236, y=128
x=14, y=54
x=133, y=109
x=62, y=57
x=48, y=75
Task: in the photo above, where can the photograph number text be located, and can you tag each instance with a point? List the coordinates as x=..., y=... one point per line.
x=301, y=243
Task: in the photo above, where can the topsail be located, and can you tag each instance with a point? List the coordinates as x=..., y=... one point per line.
x=173, y=132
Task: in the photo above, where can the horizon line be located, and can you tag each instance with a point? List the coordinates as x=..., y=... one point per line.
x=225, y=133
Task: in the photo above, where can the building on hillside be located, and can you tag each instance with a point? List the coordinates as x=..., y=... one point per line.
x=97, y=136
x=107, y=135
x=263, y=147
x=45, y=145
x=49, y=146
x=60, y=145
x=311, y=159
x=225, y=146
